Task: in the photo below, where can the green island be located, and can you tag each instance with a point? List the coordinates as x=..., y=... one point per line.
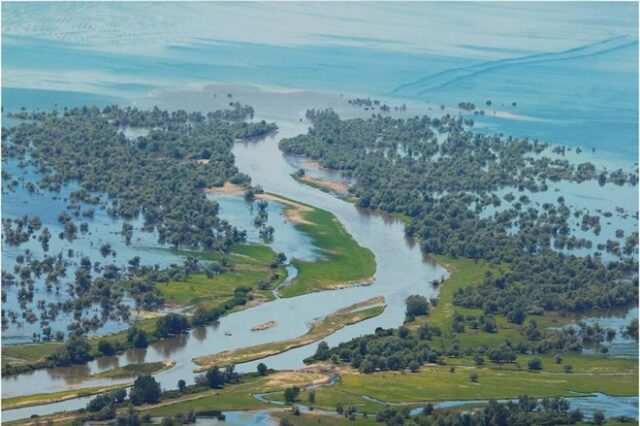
x=319, y=329
x=134, y=370
x=254, y=267
x=344, y=261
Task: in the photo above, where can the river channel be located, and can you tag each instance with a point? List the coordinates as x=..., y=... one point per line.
x=402, y=270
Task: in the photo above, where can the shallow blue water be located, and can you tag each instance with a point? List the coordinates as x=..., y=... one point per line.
x=573, y=73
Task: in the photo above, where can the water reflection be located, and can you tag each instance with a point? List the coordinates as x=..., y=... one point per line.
x=168, y=347
x=200, y=333
x=107, y=362
x=135, y=356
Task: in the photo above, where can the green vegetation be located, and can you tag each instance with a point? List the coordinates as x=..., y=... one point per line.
x=251, y=266
x=505, y=363
x=463, y=273
x=134, y=370
x=22, y=358
x=344, y=261
x=437, y=383
x=320, y=328
x=443, y=177
x=48, y=398
x=145, y=390
x=249, y=273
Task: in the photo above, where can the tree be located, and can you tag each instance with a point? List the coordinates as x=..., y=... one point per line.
x=322, y=353
x=215, y=378
x=137, y=338
x=75, y=351
x=567, y=368
x=182, y=385
x=598, y=417
x=473, y=377
x=171, y=323
x=291, y=394
x=262, y=369
x=312, y=396
x=145, y=390
x=100, y=402
x=417, y=305
x=414, y=366
x=535, y=364
x=478, y=359
x=105, y=347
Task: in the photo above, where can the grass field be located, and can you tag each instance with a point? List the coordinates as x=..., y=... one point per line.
x=26, y=353
x=321, y=328
x=437, y=383
x=345, y=262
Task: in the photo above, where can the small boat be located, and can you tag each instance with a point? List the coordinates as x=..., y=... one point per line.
x=227, y=333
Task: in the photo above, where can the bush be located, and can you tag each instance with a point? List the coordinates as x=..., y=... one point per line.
x=417, y=305
x=598, y=417
x=291, y=394
x=171, y=323
x=137, y=338
x=262, y=369
x=105, y=347
x=145, y=390
x=535, y=364
x=75, y=351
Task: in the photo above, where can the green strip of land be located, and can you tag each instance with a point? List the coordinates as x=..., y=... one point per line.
x=49, y=398
x=134, y=370
x=344, y=261
x=320, y=328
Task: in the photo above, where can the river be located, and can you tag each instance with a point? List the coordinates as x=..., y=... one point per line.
x=402, y=270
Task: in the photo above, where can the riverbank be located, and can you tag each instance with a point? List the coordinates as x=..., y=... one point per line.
x=340, y=188
x=320, y=328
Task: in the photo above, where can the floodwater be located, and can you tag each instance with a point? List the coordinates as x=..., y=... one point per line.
x=401, y=271
x=568, y=70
